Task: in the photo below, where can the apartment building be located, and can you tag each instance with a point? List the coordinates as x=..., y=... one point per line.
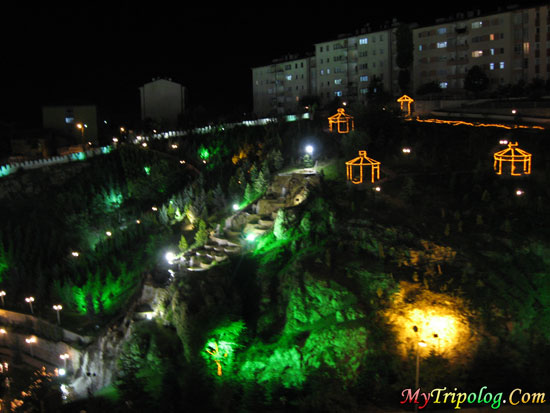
x=279, y=87
x=348, y=67
x=509, y=46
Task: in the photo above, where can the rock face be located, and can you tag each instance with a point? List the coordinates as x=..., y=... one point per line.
x=96, y=367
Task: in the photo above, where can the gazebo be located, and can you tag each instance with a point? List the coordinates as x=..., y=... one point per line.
x=515, y=156
x=408, y=100
x=342, y=120
x=361, y=162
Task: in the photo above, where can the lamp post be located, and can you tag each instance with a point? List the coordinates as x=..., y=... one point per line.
x=30, y=300
x=58, y=308
x=64, y=357
x=2, y=295
x=419, y=343
x=82, y=126
x=30, y=341
x=3, y=332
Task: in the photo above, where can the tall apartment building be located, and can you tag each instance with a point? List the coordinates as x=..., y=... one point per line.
x=347, y=67
x=509, y=46
x=278, y=87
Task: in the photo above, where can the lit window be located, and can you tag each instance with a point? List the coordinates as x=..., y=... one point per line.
x=441, y=45
x=419, y=47
x=501, y=65
x=442, y=30
x=364, y=40
x=492, y=52
x=288, y=77
x=69, y=119
x=322, y=72
x=443, y=85
x=328, y=71
x=492, y=36
x=338, y=93
x=337, y=81
x=364, y=78
x=491, y=66
x=477, y=25
x=477, y=53
x=364, y=91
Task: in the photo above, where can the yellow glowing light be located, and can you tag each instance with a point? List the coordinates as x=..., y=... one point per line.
x=438, y=320
x=360, y=162
x=30, y=340
x=477, y=125
x=342, y=121
x=514, y=155
x=406, y=100
x=215, y=353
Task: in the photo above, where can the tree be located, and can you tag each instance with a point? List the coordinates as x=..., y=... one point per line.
x=182, y=245
x=201, y=235
x=476, y=80
x=404, y=56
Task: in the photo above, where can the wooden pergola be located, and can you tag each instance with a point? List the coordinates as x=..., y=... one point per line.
x=513, y=155
x=361, y=162
x=342, y=120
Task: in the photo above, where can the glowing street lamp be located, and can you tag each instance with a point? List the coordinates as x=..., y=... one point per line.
x=30, y=341
x=58, y=308
x=75, y=253
x=82, y=127
x=64, y=357
x=3, y=332
x=2, y=295
x=419, y=344
x=30, y=300
x=309, y=149
x=170, y=257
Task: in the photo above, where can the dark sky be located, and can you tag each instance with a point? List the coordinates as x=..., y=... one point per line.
x=102, y=52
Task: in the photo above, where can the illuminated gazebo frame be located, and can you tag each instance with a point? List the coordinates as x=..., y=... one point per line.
x=342, y=120
x=361, y=162
x=515, y=156
x=406, y=100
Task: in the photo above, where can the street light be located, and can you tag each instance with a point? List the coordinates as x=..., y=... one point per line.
x=30, y=300
x=64, y=357
x=417, y=378
x=82, y=127
x=30, y=341
x=309, y=149
x=58, y=308
x=3, y=332
x=2, y=295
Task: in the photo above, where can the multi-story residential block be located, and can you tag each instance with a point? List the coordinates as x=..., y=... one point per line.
x=278, y=87
x=351, y=66
x=509, y=46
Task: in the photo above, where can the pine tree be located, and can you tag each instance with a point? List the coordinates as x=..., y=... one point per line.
x=182, y=245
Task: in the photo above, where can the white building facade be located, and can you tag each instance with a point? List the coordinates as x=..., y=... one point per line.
x=163, y=102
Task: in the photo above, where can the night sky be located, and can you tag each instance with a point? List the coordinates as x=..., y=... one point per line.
x=102, y=52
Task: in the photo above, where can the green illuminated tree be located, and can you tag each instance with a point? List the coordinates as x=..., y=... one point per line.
x=201, y=236
x=182, y=245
